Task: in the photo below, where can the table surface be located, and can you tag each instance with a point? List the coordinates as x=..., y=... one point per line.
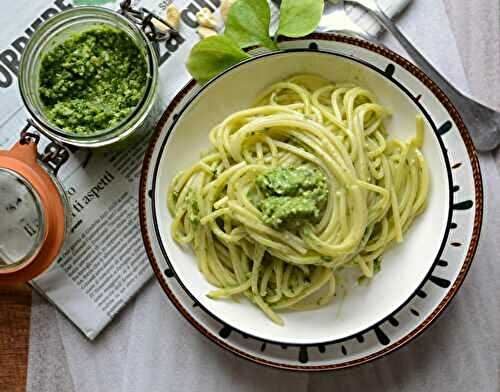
x=477, y=30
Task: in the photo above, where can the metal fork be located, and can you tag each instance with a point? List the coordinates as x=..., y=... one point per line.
x=336, y=20
x=482, y=122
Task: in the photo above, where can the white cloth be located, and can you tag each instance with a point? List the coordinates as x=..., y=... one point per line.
x=151, y=348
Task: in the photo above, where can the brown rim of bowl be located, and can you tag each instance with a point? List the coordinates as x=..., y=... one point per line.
x=440, y=95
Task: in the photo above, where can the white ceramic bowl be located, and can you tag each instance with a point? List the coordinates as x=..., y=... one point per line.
x=406, y=267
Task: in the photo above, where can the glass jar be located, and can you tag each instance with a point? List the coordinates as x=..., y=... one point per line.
x=34, y=210
x=58, y=29
x=35, y=215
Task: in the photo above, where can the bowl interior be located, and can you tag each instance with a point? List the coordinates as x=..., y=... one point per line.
x=404, y=267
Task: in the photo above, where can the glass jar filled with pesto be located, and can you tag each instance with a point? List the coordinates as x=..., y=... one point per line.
x=89, y=78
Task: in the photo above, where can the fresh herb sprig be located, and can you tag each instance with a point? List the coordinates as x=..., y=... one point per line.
x=248, y=25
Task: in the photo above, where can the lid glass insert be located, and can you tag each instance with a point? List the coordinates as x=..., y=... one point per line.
x=22, y=221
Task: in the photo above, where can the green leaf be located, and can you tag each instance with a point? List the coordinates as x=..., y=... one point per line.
x=377, y=265
x=213, y=55
x=299, y=17
x=248, y=24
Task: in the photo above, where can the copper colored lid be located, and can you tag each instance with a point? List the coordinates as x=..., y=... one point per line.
x=32, y=216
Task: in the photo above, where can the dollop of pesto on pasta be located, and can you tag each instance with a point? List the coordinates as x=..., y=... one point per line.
x=290, y=196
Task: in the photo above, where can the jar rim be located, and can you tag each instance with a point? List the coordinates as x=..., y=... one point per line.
x=42, y=37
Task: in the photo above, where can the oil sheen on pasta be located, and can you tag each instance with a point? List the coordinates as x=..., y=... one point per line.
x=92, y=80
x=303, y=185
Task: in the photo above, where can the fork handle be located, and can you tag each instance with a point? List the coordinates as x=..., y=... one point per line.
x=425, y=65
x=482, y=121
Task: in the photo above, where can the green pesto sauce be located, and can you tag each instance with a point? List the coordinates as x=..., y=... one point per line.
x=193, y=210
x=92, y=80
x=291, y=195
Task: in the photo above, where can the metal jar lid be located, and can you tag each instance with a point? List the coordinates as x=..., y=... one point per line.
x=32, y=214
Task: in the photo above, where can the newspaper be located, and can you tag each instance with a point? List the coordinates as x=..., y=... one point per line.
x=104, y=262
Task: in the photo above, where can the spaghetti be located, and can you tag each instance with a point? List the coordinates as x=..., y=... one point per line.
x=372, y=189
